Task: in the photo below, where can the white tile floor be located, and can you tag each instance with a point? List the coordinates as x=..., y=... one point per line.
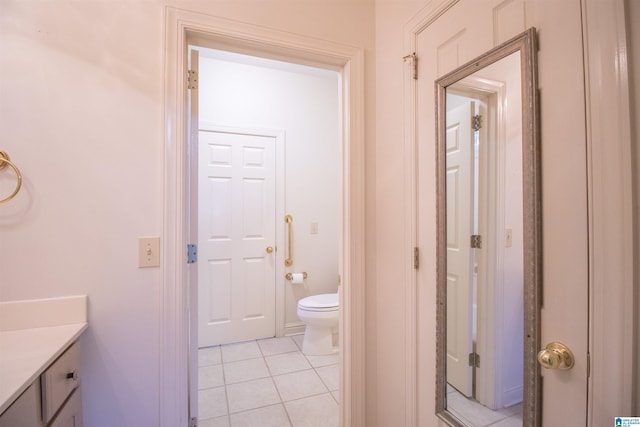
x=267, y=382
x=473, y=414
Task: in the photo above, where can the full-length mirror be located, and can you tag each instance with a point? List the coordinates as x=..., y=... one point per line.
x=489, y=239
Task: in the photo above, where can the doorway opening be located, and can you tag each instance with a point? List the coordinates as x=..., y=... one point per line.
x=268, y=143
x=183, y=28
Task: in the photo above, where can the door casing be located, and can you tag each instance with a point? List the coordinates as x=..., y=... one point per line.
x=186, y=27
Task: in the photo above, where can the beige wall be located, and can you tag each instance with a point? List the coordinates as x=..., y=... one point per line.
x=81, y=113
x=386, y=401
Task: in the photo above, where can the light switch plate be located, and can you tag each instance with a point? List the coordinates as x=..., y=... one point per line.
x=148, y=252
x=508, y=237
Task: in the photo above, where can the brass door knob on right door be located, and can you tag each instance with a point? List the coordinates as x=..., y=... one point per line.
x=556, y=356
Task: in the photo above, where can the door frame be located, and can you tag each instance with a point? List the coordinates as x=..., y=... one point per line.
x=186, y=27
x=610, y=168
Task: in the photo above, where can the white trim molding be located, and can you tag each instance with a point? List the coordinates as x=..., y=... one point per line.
x=419, y=329
x=185, y=27
x=611, y=258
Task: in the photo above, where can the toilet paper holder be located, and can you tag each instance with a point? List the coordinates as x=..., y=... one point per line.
x=289, y=276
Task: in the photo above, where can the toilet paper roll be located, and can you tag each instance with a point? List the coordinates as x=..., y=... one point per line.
x=297, y=278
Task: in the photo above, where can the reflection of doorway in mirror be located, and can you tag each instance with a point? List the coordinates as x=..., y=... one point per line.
x=468, y=175
x=472, y=413
x=494, y=307
x=460, y=205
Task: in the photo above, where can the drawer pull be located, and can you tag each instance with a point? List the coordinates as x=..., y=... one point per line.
x=60, y=379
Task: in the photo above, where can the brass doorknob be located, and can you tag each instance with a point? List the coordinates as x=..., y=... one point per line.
x=556, y=356
x=269, y=249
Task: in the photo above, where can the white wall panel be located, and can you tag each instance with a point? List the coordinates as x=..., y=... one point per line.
x=219, y=293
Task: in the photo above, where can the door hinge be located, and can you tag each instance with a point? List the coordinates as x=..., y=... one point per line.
x=192, y=254
x=476, y=241
x=414, y=64
x=416, y=258
x=476, y=122
x=474, y=360
x=193, y=422
x=192, y=79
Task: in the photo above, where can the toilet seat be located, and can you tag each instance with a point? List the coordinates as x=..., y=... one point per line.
x=322, y=302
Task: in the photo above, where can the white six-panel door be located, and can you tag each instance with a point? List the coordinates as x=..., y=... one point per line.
x=236, y=226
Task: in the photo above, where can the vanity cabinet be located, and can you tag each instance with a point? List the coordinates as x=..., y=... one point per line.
x=25, y=411
x=52, y=400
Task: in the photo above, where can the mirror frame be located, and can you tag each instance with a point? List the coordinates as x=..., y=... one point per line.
x=526, y=44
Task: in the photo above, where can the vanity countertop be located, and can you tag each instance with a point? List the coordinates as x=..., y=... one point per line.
x=25, y=353
x=33, y=333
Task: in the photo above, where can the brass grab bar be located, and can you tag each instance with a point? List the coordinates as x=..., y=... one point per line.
x=4, y=161
x=289, y=220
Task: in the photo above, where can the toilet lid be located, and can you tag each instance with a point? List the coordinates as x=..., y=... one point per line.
x=322, y=301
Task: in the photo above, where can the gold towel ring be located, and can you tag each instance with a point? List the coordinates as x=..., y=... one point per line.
x=4, y=161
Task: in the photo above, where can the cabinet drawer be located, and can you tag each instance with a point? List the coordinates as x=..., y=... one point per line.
x=25, y=411
x=71, y=413
x=59, y=380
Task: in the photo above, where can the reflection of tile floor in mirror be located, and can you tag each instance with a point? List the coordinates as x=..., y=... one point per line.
x=266, y=382
x=473, y=414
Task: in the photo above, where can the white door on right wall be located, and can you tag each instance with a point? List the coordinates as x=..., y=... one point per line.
x=466, y=30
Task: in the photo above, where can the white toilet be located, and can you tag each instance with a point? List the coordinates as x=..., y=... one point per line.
x=320, y=315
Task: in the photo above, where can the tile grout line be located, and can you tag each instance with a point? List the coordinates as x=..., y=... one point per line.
x=224, y=383
x=274, y=385
x=272, y=377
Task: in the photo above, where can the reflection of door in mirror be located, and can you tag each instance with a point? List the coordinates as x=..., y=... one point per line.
x=484, y=242
x=460, y=203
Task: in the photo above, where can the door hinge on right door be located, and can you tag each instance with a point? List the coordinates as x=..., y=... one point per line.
x=193, y=422
x=192, y=79
x=476, y=122
x=414, y=64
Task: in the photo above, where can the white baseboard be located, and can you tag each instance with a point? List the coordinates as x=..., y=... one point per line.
x=512, y=396
x=294, y=328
